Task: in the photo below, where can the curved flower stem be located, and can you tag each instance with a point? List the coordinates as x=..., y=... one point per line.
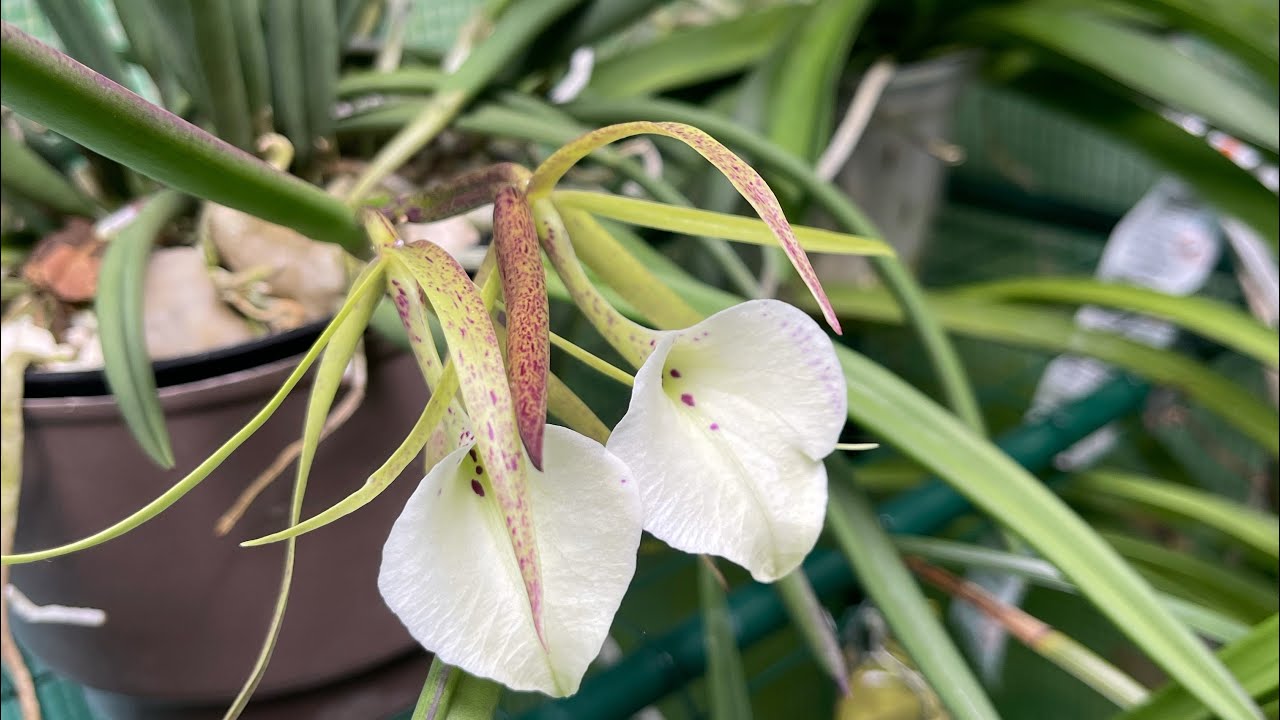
x=946, y=363
x=632, y=341
x=595, y=363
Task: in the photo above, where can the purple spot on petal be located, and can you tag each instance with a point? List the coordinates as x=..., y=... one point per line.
x=472, y=454
x=675, y=373
x=477, y=488
x=687, y=399
x=715, y=426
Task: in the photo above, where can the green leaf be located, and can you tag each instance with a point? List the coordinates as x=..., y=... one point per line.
x=809, y=75
x=1205, y=621
x=726, y=679
x=1206, y=317
x=283, y=23
x=84, y=37
x=246, y=16
x=119, y=307
x=1252, y=659
x=25, y=172
x=815, y=625
x=411, y=80
x=320, y=53
x=215, y=39
x=1055, y=332
x=681, y=58
x=1233, y=591
x=900, y=600
x=1246, y=30
x=1144, y=63
x=154, y=43
x=41, y=84
x=324, y=388
x=1255, y=528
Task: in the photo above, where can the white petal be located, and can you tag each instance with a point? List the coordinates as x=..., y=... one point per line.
x=728, y=423
x=449, y=574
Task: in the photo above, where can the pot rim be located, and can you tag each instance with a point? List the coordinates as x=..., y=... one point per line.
x=183, y=370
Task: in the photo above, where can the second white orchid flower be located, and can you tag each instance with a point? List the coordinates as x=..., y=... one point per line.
x=728, y=425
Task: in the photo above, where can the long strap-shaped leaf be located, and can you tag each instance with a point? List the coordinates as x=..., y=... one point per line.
x=220, y=62
x=901, y=416
x=473, y=348
x=1056, y=332
x=741, y=175
x=1145, y=63
x=1204, y=316
x=726, y=679
x=681, y=58
x=121, y=282
x=324, y=388
x=21, y=169
x=370, y=281
x=58, y=92
x=1255, y=528
x=1252, y=659
x=900, y=599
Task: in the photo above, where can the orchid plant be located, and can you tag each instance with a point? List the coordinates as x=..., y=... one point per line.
x=511, y=558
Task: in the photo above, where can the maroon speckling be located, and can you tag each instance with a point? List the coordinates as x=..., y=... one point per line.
x=687, y=399
x=479, y=469
x=715, y=426
x=477, y=488
x=675, y=373
x=472, y=454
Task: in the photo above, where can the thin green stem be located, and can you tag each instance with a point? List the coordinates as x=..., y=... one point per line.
x=598, y=364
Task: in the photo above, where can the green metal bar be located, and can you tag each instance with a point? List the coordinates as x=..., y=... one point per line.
x=669, y=662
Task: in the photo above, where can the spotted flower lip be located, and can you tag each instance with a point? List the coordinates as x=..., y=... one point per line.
x=728, y=424
x=448, y=574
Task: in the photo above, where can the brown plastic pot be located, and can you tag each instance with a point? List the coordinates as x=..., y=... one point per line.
x=186, y=610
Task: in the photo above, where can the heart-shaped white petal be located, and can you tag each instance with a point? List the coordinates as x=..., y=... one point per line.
x=449, y=575
x=728, y=424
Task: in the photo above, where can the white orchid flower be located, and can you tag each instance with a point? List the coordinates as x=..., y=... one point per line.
x=511, y=558
x=728, y=425
x=449, y=575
